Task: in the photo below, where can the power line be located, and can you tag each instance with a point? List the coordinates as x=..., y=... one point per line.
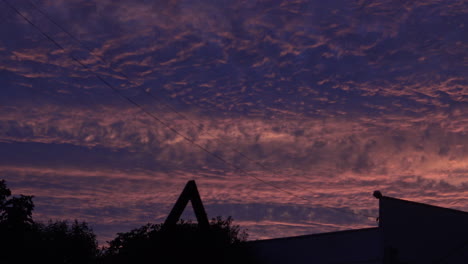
x=149, y=93
x=193, y=123
x=75, y=38
x=136, y=104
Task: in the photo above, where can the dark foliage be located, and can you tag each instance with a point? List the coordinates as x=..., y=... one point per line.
x=15, y=212
x=17, y=229
x=62, y=242
x=221, y=243
x=59, y=242
x=24, y=241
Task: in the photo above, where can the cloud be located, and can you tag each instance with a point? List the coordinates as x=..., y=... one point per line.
x=298, y=57
x=383, y=145
x=334, y=99
x=116, y=200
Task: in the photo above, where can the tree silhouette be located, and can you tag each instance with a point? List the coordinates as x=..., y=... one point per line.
x=24, y=241
x=15, y=212
x=17, y=229
x=221, y=243
x=62, y=242
x=4, y=194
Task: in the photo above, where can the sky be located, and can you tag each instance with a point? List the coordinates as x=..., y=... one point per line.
x=288, y=114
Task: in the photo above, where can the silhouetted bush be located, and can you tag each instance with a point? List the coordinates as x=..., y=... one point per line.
x=62, y=242
x=18, y=232
x=59, y=242
x=24, y=241
x=186, y=243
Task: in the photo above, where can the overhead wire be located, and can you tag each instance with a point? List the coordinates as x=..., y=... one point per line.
x=168, y=106
x=90, y=50
x=103, y=59
x=167, y=125
x=159, y=120
x=174, y=110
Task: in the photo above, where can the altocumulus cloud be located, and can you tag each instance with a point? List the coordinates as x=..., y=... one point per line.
x=334, y=98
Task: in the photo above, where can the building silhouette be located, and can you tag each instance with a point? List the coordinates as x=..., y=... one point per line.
x=408, y=232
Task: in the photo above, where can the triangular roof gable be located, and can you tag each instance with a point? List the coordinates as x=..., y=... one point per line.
x=190, y=193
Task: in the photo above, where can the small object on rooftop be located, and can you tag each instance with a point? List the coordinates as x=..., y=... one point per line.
x=377, y=194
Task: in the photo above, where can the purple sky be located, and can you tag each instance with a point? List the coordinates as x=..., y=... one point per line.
x=334, y=99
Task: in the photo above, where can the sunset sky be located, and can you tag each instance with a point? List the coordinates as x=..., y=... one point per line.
x=288, y=114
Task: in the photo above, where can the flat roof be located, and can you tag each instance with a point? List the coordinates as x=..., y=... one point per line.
x=424, y=204
x=317, y=235
x=357, y=230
